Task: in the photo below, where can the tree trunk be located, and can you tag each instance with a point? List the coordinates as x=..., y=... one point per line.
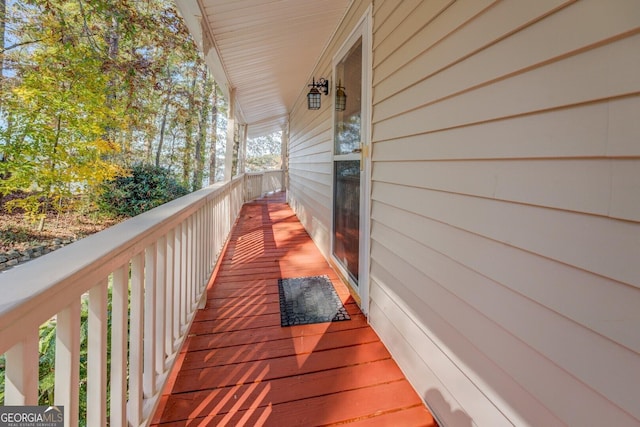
x=126, y=148
x=148, y=147
x=214, y=135
x=163, y=127
x=198, y=172
x=3, y=18
x=52, y=167
x=165, y=114
x=113, y=42
x=188, y=130
x=236, y=150
x=172, y=152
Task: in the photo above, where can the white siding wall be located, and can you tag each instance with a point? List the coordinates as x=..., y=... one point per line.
x=505, y=233
x=506, y=201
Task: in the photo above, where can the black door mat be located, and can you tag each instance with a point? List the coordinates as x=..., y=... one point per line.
x=306, y=300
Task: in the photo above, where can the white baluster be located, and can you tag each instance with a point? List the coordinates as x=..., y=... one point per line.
x=119, y=338
x=192, y=257
x=97, y=356
x=21, y=371
x=149, y=377
x=68, y=362
x=177, y=284
x=170, y=300
x=184, y=280
x=136, y=342
x=161, y=295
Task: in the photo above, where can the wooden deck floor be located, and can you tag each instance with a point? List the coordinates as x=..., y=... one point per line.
x=240, y=367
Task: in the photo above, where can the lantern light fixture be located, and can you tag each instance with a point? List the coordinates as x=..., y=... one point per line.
x=341, y=97
x=314, y=95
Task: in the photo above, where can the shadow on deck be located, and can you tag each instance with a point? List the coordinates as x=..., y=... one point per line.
x=240, y=367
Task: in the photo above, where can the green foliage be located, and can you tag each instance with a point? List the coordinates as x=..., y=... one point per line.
x=47, y=362
x=144, y=188
x=57, y=116
x=15, y=234
x=90, y=88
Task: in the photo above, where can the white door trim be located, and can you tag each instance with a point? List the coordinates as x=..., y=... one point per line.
x=362, y=29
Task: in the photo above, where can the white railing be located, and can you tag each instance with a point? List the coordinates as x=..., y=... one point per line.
x=157, y=266
x=260, y=183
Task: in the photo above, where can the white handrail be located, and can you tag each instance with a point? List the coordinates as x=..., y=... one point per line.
x=158, y=265
x=260, y=183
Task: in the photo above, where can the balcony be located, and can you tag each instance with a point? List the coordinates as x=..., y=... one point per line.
x=194, y=323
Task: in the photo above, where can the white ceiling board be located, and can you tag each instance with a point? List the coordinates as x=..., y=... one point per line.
x=266, y=49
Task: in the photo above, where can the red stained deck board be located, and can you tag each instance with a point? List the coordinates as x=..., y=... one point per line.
x=268, y=369
x=246, y=311
x=342, y=407
x=263, y=298
x=275, y=269
x=417, y=416
x=250, y=322
x=269, y=296
x=265, y=351
x=237, y=292
x=240, y=367
x=234, y=312
x=292, y=334
x=243, y=286
x=282, y=390
x=235, y=324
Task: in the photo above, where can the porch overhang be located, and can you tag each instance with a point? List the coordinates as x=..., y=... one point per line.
x=264, y=49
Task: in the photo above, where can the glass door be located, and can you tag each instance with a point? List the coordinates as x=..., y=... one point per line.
x=347, y=167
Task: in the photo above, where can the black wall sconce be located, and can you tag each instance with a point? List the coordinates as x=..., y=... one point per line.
x=313, y=97
x=341, y=97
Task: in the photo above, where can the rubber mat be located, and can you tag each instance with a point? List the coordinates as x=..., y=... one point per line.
x=306, y=300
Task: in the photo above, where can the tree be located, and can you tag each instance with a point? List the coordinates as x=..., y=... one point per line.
x=219, y=122
x=93, y=87
x=165, y=116
x=264, y=153
x=203, y=119
x=3, y=20
x=143, y=188
x=236, y=149
x=214, y=135
x=189, y=115
x=55, y=141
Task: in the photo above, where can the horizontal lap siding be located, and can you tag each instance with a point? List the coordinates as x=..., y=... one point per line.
x=311, y=145
x=506, y=207
x=310, y=172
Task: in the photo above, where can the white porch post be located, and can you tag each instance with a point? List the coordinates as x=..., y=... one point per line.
x=231, y=125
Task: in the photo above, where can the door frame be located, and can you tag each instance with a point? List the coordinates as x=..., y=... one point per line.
x=362, y=29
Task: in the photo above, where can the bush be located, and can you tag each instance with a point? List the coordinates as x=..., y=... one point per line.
x=144, y=188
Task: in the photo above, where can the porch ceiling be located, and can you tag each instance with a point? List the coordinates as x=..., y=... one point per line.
x=263, y=49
